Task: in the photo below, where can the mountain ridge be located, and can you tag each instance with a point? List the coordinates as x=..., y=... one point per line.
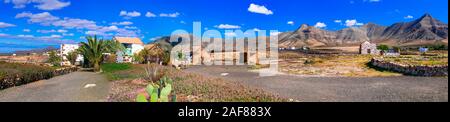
x=425, y=30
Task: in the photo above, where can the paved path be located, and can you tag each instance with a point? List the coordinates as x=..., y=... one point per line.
x=65, y=88
x=341, y=89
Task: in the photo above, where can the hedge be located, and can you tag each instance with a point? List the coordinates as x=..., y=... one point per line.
x=15, y=74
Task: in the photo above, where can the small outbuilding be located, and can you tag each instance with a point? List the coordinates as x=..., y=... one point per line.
x=368, y=48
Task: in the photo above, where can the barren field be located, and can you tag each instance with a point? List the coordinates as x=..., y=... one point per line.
x=329, y=65
x=24, y=59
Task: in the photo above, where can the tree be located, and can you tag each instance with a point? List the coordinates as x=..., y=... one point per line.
x=54, y=59
x=153, y=53
x=94, y=49
x=383, y=47
x=72, y=57
x=156, y=52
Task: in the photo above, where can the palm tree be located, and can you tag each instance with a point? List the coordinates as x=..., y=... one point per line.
x=94, y=49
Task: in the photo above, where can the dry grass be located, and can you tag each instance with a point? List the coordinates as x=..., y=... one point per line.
x=330, y=65
x=353, y=49
x=189, y=88
x=432, y=58
x=23, y=59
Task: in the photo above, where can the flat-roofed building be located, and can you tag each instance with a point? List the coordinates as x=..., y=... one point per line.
x=132, y=46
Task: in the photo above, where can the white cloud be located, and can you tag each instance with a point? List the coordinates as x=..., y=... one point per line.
x=256, y=29
x=290, y=22
x=75, y=23
x=155, y=38
x=55, y=36
x=51, y=38
x=3, y=35
x=25, y=36
x=373, y=0
x=275, y=33
x=408, y=17
x=227, y=26
x=320, y=25
x=130, y=14
x=67, y=34
x=338, y=21
x=94, y=33
x=173, y=15
x=122, y=23
x=259, y=9
x=44, y=18
x=5, y=25
x=52, y=4
x=182, y=22
x=230, y=34
x=62, y=31
x=26, y=30
x=46, y=31
x=350, y=23
x=130, y=27
x=40, y=4
x=150, y=14
x=81, y=25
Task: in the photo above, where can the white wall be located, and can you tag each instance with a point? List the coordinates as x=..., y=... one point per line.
x=66, y=48
x=136, y=48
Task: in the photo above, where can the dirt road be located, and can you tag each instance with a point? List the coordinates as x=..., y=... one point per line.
x=340, y=89
x=65, y=88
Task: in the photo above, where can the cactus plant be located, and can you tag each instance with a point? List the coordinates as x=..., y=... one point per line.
x=158, y=92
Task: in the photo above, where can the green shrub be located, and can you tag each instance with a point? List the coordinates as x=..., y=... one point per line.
x=54, y=58
x=382, y=47
x=15, y=74
x=72, y=57
x=437, y=47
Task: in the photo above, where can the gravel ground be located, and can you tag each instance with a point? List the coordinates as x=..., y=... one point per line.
x=338, y=89
x=65, y=88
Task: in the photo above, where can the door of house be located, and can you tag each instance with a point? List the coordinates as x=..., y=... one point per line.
x=368, y=51
x=245, y=58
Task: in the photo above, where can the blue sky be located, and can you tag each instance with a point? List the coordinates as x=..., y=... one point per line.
x=30, y=24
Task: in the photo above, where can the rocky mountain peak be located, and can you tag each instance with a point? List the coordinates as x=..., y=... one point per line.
x=425, y=29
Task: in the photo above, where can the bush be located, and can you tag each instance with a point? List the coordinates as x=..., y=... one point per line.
x=382, y=47
x=15, y=74
x=437, y=47
x=54, y=59
x=72, y=57
x=111, y=58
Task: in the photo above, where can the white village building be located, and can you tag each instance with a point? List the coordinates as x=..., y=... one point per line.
x=132, y=46
x=65, y=49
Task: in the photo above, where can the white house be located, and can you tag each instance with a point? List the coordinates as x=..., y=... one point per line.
x=368, y=48
x=64, y=51
x=132, y=46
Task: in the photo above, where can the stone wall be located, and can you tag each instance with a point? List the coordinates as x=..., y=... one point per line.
x=410, y=69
